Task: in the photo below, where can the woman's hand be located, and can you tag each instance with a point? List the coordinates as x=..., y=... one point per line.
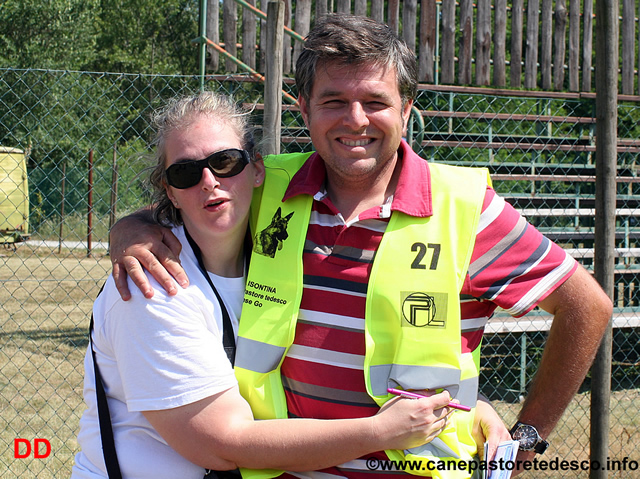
x=403, y=423
x=136, y=242
x=488, y=427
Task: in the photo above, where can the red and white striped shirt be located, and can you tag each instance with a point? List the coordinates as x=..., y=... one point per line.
x=513, y=267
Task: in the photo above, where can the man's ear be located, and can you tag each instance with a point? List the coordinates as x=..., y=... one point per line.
x=304, y=110
x=406, y=114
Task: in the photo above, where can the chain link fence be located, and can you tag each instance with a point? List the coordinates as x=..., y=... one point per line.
x=86, y=139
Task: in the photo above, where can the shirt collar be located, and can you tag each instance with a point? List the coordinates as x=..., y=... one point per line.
x=412, y=195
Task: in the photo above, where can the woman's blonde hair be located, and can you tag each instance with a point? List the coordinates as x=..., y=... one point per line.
x=178, y=114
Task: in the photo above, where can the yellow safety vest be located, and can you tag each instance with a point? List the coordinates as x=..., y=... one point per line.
x=412, y=318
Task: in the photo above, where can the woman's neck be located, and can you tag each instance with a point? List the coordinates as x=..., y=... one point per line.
x=228, y=266
x=222, y=255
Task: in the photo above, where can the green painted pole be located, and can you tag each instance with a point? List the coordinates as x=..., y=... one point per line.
x=202, y=41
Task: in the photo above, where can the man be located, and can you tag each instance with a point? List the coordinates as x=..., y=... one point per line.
x=402, y=265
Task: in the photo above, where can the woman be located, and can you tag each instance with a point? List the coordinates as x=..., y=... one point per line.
x=174, y=404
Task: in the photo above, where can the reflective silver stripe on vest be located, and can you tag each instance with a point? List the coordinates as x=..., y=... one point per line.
x=436, y=448
x=468, y=394
x=257, y=356
x=403, y=376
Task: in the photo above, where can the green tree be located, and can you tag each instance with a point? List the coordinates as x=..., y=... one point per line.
x=147, y=36
x=47, y=34
x=144, y=36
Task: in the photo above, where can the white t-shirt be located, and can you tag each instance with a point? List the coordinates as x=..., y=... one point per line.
x=155, y=354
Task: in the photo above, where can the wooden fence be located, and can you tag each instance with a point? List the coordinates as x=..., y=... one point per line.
x=535, y=44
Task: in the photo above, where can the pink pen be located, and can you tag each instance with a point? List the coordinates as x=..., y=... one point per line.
x=409, y=394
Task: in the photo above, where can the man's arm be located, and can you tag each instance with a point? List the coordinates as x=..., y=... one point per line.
x=581, y=311
x=137, y=242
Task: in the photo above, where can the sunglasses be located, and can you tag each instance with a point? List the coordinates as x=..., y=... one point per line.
x=223, y=164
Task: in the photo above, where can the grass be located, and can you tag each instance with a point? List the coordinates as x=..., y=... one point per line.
x=74, y=226
x=45, y=304
x=570, y=440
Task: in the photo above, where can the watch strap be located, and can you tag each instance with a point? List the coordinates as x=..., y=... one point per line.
x=541, y=446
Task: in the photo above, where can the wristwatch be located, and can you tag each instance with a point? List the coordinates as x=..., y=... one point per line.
x=528, y=437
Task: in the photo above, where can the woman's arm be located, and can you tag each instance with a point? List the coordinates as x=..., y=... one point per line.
x=220, y=433
x=174, y=370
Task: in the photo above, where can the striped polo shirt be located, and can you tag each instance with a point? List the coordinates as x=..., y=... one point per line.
x=513, y=267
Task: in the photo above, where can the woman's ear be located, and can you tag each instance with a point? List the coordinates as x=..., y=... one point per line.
x=170, y=195
x=260, y=170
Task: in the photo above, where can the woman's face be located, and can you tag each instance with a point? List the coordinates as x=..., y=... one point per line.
x=215, y=207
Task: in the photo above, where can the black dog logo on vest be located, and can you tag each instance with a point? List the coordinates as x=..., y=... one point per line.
x=270, y=239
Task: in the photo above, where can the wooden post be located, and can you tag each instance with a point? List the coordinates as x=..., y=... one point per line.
x=545, y=43
x=322, y=9
x=343, y=6
x=359, y=8
x=286, y=40
x=428, y=39
x=393, y=15
x=263, y=54
x=273, y=78
x=90, y=203
x=574, y=44
x=377, y=10
x=249, y=38
x=607, y=12
x=466, y=45
x=447, y=65
x=483, y=42
x=638, y=53
x=628, y=45
x=531, y=55
x=500, y=44
x=62, y=200
x=229, y=32
x=114, y=188
x=587, y=44
x=409, y=14
x=303, y=24
x=515, y=66
x=213, y=32
x=560, y=44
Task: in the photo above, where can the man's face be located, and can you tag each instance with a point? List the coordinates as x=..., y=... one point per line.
x=355, y=119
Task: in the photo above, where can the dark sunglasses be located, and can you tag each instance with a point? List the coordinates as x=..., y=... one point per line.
x=223, y=164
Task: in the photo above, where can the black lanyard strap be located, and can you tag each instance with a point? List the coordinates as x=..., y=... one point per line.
x=104, y=417
x=228, y=339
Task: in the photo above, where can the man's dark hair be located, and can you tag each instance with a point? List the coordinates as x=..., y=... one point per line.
x=355, y=40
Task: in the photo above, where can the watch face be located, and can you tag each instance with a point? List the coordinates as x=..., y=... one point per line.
x=527, y=436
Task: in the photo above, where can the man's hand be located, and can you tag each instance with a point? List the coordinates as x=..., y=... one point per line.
x=136, y=242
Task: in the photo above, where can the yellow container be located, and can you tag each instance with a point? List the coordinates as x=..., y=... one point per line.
x=14, y=196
